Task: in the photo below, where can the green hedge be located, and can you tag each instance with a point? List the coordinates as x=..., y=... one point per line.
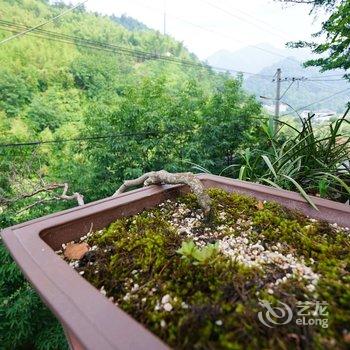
x=25, y=322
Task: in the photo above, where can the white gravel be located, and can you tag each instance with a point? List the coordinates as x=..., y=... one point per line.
x=234, y=241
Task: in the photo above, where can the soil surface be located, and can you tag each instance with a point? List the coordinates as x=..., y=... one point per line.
x=252, y=275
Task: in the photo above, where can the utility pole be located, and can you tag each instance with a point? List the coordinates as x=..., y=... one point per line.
x=278, y=97
x=273, y=120
x=164, y=19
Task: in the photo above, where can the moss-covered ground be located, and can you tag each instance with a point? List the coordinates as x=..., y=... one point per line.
x=199, y=283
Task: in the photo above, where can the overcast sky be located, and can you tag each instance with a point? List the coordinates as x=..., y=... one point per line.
x=206, y=26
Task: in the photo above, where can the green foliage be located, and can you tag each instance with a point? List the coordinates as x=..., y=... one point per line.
x=15, y=92
x=311, y=161
x=53, y=108
x=168, y=111
x=25, y=323
x=228, y=123
x=317, y=4
x=129, y=22
x=336, y=38
x=52, y=91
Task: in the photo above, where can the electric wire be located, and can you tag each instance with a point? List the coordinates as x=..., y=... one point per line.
x=327, y=80
x=234, y=15
x=215, y=32
x=331, y=75
x=320, y=84
x=318, y=101
x=88, y=43
x=28, y=30
x=93, y=138
x=64, y=38
x=290, y=85
x=267, y=24
x=93, y=44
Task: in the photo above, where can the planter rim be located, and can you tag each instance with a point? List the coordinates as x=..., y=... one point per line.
x=292, y=195
x=94, y=320
x=87, y=314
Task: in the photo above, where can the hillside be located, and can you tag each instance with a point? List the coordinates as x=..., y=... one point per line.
x=300, y=94
x=85, y=75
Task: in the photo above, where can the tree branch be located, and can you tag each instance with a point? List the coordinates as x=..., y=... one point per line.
x=79, y=197
x=47, y=188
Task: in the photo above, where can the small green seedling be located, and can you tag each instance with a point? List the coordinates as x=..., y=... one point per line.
x=204, y=255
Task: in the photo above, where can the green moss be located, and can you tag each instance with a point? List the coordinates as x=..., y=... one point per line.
x=215, y=300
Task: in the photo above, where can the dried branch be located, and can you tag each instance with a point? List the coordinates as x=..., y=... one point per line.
x=79, y=197
x=47, y=188
x=24, y=188
x=41, y=201
x=135, y=182
x=163, y=177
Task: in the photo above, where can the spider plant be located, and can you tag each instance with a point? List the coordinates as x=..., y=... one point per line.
x=311, y=161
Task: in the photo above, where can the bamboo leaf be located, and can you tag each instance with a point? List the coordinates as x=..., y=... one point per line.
x=228, y=167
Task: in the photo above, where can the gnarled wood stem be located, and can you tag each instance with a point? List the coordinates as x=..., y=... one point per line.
x=163, y=177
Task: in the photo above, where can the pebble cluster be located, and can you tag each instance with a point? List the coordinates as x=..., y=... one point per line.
x=190, y=224
x=239, y=249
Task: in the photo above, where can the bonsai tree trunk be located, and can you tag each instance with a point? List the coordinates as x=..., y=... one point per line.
x=163, y=177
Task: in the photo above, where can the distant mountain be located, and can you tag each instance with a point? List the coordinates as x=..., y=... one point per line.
x=301, y=93
x=252, y=59
x=267, y=60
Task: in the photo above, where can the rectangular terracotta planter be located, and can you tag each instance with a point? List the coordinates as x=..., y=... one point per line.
x=90, y=320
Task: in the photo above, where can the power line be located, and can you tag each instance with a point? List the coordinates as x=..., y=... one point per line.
x=330, y=75
x=290, y=85
x=267, y=24
x=235, y=16
x=321, y=100
x=113, y=48
x=320, y=79
x=320, y=84
x=41, y=24
x=143, y=55
x=241, y=18
x=93, y=44
x=53, y=35
x=93, y=138
x=215, y=32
